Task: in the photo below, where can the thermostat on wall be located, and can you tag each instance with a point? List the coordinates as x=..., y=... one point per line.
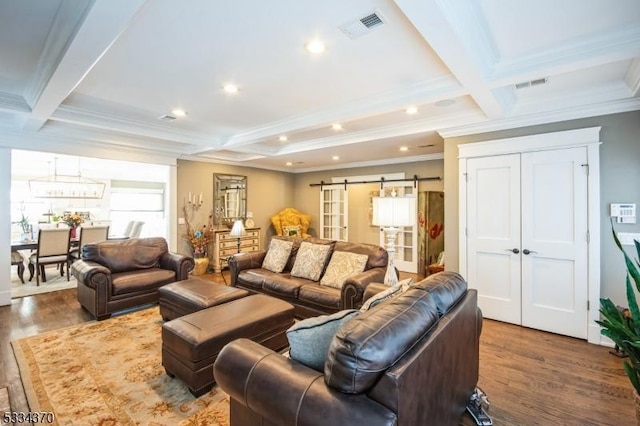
x=624, y=213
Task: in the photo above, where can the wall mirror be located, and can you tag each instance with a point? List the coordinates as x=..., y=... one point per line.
x=230, y=198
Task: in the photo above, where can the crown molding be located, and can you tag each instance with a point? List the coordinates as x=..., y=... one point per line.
x=586, y=52
x=386, y=132
x=118, y=123
x=65, y=25
x=13, y=103
x=604, y=108
x=387, y=161
x=444, y=87
x=82, y=147
x=233, y=163
x=632, y=77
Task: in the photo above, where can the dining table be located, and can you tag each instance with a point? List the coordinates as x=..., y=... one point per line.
x=33, y=245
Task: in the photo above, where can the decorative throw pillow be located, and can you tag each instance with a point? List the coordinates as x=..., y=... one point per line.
x=277, y=255
x=396, y=290
x=292, y=231
x=310, y=338
x=310, y=260
x=341, y=266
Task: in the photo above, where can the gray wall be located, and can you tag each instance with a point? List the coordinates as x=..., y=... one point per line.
x=619, y=182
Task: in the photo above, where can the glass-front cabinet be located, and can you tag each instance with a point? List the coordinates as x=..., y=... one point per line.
x=333, y=213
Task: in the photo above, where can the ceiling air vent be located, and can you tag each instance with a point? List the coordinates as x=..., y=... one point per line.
x=363, y=25
x=532, y=83
x=167, y=117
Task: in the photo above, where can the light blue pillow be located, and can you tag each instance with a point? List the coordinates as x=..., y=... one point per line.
x=310, y=338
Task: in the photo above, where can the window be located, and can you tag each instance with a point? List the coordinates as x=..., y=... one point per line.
x=142, y=201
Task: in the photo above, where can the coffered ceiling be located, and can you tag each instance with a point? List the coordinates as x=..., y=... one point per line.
x=94, y=77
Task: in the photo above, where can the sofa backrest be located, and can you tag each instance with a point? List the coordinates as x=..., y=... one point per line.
x=126, y=255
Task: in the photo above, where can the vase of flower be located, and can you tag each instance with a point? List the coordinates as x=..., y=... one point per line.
x=202, y=263
x=73, y=233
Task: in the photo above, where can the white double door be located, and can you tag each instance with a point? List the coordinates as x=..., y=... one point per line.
x=527, y=238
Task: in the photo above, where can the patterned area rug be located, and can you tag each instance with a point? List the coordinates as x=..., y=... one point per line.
x=110, y=373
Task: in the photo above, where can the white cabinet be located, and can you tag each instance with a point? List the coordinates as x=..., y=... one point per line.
x=225, y=245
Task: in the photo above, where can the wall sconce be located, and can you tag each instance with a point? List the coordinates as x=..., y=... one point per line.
x=195, y=200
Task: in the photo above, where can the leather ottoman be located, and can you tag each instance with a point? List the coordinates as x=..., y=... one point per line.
x=192, y=295
x=191, y=344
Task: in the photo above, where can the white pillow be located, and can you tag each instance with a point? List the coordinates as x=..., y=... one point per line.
x=342, y=266
x=393, y=291
x=277, y=255
x=310, y=260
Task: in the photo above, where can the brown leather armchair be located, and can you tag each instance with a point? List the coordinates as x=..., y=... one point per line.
x=410, y=360
x=119, y=274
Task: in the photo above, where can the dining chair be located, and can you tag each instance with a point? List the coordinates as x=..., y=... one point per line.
x=128, y=228
x=136, y=229
x=16, y=259
x=53, y=248
x=88, y=235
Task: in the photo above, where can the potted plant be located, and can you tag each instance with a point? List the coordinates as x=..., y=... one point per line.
x=25, y=227
x=624, y=329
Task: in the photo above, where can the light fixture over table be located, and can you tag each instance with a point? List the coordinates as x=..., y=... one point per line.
x=390, y=213
x=65, y=186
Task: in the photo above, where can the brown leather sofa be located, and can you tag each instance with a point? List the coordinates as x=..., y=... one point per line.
x=119, y=274
x=410, y=360
x=309, y=297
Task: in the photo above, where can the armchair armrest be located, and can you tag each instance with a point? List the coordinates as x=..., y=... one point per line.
x=286, y=392
x=178, y=263
x=91, y=274
x=241, y=261
x=352, y=294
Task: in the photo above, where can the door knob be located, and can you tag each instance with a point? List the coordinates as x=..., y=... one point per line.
x=515, y=250
x=527, y=251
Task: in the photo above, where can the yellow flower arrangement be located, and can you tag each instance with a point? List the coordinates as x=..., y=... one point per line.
x=72, y=219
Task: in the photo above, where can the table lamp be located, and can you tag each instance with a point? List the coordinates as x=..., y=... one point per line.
x=237, y=231
x=390, y=213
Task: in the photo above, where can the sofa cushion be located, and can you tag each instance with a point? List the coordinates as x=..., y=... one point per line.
x=393, y=291
x=126, y=255
x=283, y=285
x=341, y=266
x=446, y=288
x=277, y=255
x=142, y=280
x=296, y=246
x=317, y=294
x=311, y=260
x=377, y=257
x=309, y=339
x=253, y=278
x=365, y=347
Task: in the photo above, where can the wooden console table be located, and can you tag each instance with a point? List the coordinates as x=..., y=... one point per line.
x=225, y=245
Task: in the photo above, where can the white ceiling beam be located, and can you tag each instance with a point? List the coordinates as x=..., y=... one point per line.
x=13, y=103
x=103, y=24
x=632, y=77
x=441, y=25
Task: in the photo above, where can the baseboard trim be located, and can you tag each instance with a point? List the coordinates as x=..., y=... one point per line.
x=5, y=298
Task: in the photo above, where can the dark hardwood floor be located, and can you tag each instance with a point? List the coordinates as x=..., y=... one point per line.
x=530, y=377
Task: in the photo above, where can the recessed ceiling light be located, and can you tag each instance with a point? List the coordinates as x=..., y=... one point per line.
x=230, y=88
x=289, y=163
x=178, y=112
x=283, y=138
x=412, y=110
x=335, y=157
x=315, y=46
x=336, y=126
x=404, y=148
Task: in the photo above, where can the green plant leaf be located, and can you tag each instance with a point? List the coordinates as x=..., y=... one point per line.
x=632, y=373
x=632, y=269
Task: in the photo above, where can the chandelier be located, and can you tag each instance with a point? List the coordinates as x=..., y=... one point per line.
x=66, y=186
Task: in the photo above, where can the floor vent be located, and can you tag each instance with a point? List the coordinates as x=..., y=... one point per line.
x=363, y=25
x=532, y=83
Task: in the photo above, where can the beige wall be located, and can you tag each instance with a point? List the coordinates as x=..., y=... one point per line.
x=619, y=177
x=307, y=198
x=268, y=192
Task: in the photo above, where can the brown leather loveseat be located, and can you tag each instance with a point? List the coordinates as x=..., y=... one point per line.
x=309, y=298
x=119, y=274
x=410, y=360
